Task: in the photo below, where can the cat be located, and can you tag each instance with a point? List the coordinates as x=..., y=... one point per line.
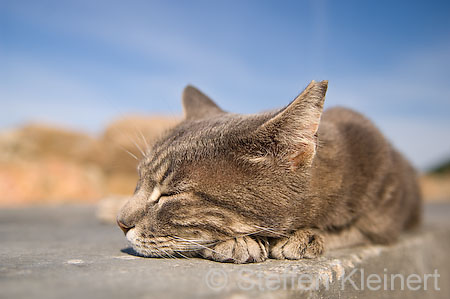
x=285, y=184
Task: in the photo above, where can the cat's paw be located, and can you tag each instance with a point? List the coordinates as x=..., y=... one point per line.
x=238, y=250
x=304, y=243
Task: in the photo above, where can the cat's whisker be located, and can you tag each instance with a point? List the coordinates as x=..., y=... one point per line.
x=138, y=147
x=142, y=139
x=241, y=236
x=271, y=231
x=125, y=134
x=147, y=147
x=187, y=240
x=188, y=249
x=159, y=255
x=125, y=150
x=250, y=234
x=130, y=153
x=191, y=246
x=158, y=251
x=202, y=246
x=133, y=141
x=152, y=251
x=166, y=253
x=197, y=241
x=177, y=252
x=191, y=242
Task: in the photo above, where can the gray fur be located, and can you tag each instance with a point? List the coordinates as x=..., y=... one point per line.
x=285, y=184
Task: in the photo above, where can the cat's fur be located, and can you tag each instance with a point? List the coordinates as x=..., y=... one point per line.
x=285, y=184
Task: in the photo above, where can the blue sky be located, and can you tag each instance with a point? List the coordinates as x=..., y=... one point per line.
x=81, y=64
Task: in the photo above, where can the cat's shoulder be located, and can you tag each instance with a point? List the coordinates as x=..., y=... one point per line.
x=350, y=126
x=343, y=114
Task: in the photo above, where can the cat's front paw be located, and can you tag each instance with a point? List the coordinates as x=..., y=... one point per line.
x=304, y=243
x=238, y=250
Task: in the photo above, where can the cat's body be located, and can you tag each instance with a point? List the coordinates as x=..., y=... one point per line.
x=241, y=188
x=367, y=182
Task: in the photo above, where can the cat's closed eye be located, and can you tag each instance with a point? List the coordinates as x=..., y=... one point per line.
x=168, y=194
x=158, y=195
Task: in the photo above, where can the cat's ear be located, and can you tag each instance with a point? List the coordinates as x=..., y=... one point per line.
x=197, y=105
x=292, y=131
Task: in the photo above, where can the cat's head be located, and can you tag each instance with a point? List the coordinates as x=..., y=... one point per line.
x=219, y=175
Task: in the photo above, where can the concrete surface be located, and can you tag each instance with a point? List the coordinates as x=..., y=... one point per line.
x=64, y=252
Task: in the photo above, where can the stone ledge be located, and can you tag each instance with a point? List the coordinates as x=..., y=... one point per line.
x=63, y=252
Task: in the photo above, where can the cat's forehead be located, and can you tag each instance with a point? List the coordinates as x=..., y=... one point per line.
x=201, y=139
x=194, y=137
x=205, y=132
x=218, y=127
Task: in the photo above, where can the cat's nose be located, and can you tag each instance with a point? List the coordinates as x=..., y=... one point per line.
x=125, y=228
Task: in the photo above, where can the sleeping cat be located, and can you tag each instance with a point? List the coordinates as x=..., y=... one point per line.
x=285, y=184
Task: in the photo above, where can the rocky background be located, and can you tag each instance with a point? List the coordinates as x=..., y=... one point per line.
x=45, y=164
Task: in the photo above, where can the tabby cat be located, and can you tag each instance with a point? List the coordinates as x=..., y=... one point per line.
x=286, y=184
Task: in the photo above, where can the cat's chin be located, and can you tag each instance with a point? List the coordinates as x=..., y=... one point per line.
x=147, y=252
x=147, y=247
x=131, y=237
x=140, y=246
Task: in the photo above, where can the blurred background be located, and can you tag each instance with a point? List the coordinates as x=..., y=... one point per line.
x=81, y=81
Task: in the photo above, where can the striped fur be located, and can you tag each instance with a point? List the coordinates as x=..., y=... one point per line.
x=242, y=188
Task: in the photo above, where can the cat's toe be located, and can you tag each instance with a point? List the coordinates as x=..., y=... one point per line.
x=276, y=248
x=238, y=250
x=258, y=249
x=302, y=244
